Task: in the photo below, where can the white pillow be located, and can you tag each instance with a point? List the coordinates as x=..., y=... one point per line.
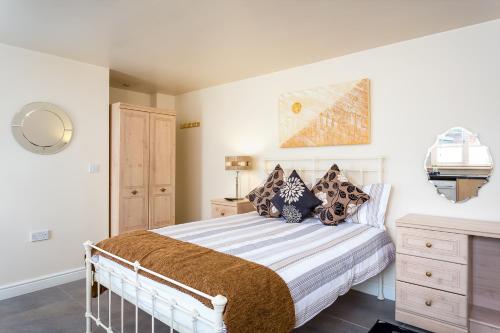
x=372, y=213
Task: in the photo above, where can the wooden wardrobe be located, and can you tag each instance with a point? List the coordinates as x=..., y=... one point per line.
x=142, y=168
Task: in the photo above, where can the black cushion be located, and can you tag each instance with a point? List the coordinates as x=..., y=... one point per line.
x=294, y=200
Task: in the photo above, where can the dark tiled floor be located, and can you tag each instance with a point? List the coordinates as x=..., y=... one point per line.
x=60, y=310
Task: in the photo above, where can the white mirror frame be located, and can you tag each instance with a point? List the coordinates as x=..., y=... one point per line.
x=17, y=128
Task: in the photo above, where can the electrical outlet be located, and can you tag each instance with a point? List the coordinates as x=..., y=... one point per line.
x=36, y=236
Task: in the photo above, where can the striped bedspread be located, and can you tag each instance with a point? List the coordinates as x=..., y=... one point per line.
x=317, y=262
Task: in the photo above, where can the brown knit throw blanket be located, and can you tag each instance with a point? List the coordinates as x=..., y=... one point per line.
x=258, y=299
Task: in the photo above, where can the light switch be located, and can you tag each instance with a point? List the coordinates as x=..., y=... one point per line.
x=94, y=168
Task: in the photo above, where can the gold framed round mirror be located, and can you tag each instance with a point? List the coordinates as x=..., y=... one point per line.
x=42, y=128
x=458, y=165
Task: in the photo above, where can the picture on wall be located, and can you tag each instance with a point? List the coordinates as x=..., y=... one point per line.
x=332, y=115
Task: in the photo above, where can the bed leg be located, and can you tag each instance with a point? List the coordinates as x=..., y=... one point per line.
x=219, y=302
x=381, y=287
x=88, y=286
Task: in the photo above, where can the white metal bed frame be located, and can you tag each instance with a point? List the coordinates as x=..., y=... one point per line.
x=309, y=170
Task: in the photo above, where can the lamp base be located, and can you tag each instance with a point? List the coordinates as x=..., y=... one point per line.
x=233, y=199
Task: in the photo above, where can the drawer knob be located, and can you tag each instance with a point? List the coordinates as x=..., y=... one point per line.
x=163, y=189
x=428, y=302
x=134, y=192
x=222, y=213
x=428, y=274
x=428, y=244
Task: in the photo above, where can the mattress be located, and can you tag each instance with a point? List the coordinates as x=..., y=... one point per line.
x=318, y=263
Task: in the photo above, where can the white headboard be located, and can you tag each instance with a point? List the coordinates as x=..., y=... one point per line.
x=360, y=171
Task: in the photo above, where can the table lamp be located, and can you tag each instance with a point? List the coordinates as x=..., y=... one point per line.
x=237, y=163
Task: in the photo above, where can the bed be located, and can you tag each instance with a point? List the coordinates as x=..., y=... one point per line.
x=318, y=264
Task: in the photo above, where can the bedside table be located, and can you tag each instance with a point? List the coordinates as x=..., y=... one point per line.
x=222, y=207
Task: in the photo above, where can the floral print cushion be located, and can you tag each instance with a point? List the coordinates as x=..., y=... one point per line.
x=339, y=197
x=294, y=200
x=261, y=196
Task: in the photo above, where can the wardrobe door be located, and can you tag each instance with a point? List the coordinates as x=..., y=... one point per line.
x=134, y=170
x=162, y=170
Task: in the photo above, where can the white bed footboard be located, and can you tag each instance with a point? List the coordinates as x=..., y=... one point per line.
x=173, y=305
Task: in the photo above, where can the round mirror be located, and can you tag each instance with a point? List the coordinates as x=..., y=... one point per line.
x=42, y=128
x=458, y=165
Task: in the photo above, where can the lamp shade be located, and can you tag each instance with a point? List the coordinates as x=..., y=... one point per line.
x=238, y=163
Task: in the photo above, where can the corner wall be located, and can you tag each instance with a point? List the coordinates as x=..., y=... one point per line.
x=157, y=100
x=419, y=89
x=129, y=96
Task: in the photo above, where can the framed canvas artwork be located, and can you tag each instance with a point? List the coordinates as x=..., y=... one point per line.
x=332, y=115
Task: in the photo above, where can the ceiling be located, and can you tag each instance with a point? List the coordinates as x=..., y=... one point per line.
x=175, y=46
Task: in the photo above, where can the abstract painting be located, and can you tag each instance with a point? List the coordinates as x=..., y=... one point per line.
x=333, y=115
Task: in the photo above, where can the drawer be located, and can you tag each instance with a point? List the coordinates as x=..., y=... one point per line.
x=430, y=325
x=431, y=303
x=245, y=207
x=220, y=210
x=432, y=273
x=432, y=244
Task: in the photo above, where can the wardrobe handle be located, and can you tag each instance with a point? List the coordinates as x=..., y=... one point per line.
x=134, y=192
x=163, y=189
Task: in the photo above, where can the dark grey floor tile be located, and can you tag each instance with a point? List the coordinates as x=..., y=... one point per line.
x=75, y=290
x=362, y=309
x=144, y=323
x=56, y=317
x=31, y=301
x=325, y=323
x=115, y=304
x=61, y=309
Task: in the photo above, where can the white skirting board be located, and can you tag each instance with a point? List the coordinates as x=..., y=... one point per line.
x=370, y=287
x=42, y=282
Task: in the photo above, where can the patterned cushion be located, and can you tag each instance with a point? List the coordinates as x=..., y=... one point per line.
x=261, y=196
x=373, y=212
x=339, y=198
x=294, y=200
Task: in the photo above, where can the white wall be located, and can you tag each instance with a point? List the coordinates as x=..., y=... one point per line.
x=157, y=100
x=51, y=191
x=420, y=88
x=163, y=101
x=129, y=96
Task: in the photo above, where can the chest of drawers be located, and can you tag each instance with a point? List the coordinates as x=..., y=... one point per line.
x=447, y=274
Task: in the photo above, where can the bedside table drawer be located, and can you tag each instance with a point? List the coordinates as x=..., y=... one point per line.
x=223, y=207
x=220, y=210
x=432, y=244
x=435, y=304
x=432, y=273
